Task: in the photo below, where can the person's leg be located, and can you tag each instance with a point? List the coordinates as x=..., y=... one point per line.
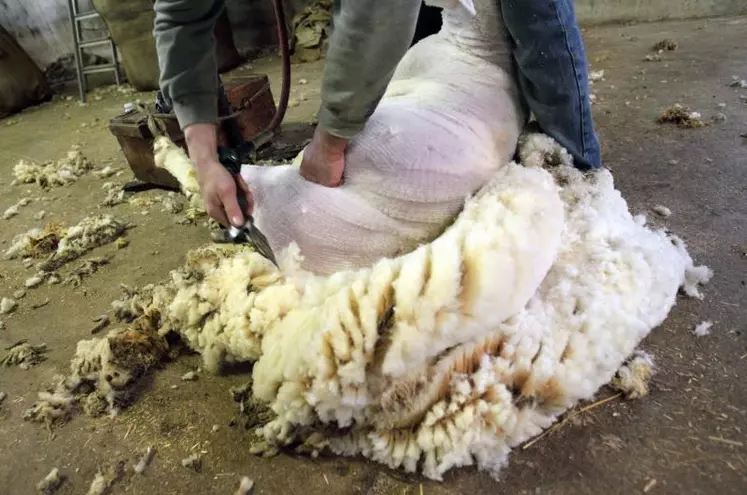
x=553, y=73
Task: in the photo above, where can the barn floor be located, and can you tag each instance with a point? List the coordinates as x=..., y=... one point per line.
x=688, y=436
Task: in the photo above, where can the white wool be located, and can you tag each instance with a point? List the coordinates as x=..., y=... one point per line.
x=13, y=210
x=62, y=172
x=50, y=483
x=174, y=159
x=35, y=280
x=596, y=75
x=703, y=328
x=633, y=377
x=72, y=242
x=538, y=150
x=662, y=210
x=139, y=468
x=246, y=486
x=105, y=172
x=7, y=305
x=381, y=349
x=99, y=485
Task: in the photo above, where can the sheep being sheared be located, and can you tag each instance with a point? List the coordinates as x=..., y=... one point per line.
x=461, y=349
x=449, y=120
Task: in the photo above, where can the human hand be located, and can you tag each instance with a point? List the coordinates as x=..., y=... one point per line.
x=217, y=185
x=324, y=159
x=219, y=193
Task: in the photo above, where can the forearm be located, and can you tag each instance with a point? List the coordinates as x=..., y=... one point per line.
x=368, y=40
x=186, y=56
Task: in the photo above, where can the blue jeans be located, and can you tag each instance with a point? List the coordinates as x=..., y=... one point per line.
x=553, y=73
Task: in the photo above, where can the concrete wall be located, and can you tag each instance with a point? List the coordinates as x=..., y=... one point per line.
x=42, y=27
x=603, y=11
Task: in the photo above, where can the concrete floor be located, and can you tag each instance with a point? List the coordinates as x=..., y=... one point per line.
x=688, y=436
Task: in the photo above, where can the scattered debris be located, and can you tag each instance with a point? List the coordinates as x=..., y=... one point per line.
x=62, y=172
x=86, y=269
x=703, y=328
x=24, y=355
x=613, y=442
x=189, y=376
x=570, y=417
x=246, y=486
x=105, y=172
x=115, y=195
x=665, y=45
x=13, y=210
x=649, y=485
x=662, y=210
x=35, y=280
x=726, y=441
x=60, y=245
x=193, y=462
x=50, y=483
x=736, y=82
x=7, y=305
x=41, y=304
x=101, y=322
x=596, y=75
x=105, y=478
x=139, y=468
x=682, y=116
x=98, y=485
x=633, y=377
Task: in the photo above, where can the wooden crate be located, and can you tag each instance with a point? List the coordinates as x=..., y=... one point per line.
x=136, y=140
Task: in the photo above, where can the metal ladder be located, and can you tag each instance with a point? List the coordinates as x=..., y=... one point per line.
x=76, y=17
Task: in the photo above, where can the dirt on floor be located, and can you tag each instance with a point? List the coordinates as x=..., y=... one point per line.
x=688, y=436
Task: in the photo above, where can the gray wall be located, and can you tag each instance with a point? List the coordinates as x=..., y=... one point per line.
x=43, y=29
x=602, y=11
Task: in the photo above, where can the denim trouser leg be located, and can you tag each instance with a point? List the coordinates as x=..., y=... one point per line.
x=553, y=73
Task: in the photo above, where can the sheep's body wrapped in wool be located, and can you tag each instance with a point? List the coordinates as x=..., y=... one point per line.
x=449, y=120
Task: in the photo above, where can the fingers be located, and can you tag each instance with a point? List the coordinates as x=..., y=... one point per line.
x=214, y=208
